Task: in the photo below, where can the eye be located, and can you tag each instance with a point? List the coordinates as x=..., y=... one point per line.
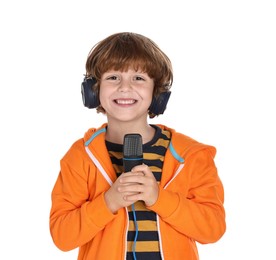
x=138, y=78
x=112, y=77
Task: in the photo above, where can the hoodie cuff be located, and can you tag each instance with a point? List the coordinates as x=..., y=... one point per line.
x=166, y=204
x=98, y=212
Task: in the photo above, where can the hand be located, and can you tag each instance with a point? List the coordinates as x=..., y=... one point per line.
x=115, y=197
x=139, y=184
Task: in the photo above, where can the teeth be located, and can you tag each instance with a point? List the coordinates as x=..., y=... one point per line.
x=125, y=101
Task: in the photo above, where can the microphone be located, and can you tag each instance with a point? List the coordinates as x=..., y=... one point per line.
x=133, y=156
x=132, y=151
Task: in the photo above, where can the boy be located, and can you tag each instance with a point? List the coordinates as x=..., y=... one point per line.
x=163, y=206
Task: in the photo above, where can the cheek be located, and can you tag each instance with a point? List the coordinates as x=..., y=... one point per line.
x=148, y=94
x=102, y=98
x=105, y=97
x=102, y=94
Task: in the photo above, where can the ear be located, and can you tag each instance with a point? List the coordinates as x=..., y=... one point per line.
x=159, y=103
x=90, y=96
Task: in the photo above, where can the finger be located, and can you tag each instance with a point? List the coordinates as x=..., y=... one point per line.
x=134, y=188
x=132, y=179
x=132, y=173
x=133, y=198
x=144, y=169
x=139, y=168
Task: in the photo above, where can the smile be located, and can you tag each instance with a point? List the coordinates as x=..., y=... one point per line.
x=125, y=101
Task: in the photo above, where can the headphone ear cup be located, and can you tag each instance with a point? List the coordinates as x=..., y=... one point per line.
x=159, y=103
x=90, y=97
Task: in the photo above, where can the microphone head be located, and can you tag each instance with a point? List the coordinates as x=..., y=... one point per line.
x=132, y=151
x=132, y=146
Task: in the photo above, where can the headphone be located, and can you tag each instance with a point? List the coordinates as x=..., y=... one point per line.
x=90, y=97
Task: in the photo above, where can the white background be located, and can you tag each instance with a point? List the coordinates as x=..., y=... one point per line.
x=224, y=59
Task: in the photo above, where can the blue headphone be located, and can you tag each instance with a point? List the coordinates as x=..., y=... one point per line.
x=90, y=97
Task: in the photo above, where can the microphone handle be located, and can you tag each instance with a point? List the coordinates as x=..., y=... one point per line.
x=129, y=163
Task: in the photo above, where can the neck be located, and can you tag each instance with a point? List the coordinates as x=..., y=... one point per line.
x=115, y=132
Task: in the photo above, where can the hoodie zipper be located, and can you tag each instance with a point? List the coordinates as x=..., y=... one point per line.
x=180, y=167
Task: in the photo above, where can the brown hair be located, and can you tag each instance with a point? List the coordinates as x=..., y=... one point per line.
x=122, y=51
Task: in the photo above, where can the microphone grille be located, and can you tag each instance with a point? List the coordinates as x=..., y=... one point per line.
x=133, y=145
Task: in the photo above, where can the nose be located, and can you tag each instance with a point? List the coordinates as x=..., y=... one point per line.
x=125, y=85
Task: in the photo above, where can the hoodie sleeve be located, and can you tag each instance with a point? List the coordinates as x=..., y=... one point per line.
x=192, y=203
x=75, y=218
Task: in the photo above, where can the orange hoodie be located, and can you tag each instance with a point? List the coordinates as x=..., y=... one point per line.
x=189, y=207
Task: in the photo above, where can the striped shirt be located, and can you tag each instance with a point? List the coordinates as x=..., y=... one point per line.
x=147, y=244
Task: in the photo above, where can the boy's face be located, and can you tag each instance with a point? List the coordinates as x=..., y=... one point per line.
x=126, y=96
